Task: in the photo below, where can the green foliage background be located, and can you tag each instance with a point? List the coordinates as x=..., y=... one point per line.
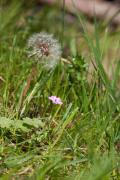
x=81, y=138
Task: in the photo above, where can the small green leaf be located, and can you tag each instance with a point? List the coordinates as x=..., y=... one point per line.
x=18, y=125
x=5, y=122
x=33, y=122
x=17, y=160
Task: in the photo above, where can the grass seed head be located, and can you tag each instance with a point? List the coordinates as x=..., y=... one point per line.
x=45, y=49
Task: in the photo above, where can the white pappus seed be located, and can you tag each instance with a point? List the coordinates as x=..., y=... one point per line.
x=45, y=49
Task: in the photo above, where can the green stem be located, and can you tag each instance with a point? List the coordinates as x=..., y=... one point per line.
x=38, y=86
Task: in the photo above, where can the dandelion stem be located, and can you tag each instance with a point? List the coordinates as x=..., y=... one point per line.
x=43, y=78
x=26, y=88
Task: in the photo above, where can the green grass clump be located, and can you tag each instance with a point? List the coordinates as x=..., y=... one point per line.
x=40, y=140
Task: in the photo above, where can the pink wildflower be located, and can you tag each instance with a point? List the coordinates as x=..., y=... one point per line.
x=55, y=100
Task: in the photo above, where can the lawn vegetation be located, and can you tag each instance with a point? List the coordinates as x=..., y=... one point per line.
x=79, y=139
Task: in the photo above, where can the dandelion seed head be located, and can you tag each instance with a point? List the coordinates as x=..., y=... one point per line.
x=45, y=49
